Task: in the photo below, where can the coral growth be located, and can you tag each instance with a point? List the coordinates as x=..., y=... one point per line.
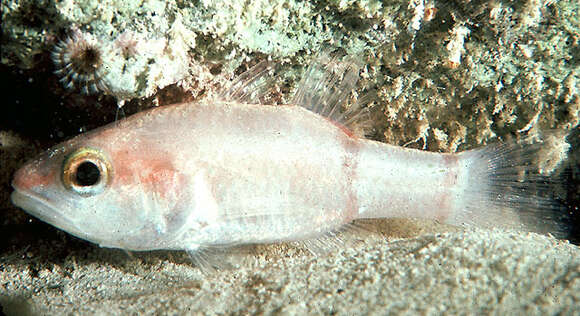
x=79, y=63
x=127, y=43
x=449, y=75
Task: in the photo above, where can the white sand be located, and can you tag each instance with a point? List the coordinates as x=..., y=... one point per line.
x=457, y=272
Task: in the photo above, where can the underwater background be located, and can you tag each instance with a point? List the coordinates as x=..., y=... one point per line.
x=447, y=77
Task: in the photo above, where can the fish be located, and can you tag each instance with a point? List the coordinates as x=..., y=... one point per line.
x=231, y=170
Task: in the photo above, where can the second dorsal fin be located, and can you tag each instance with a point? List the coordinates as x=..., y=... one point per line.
x=326, y=86
x=328, y=89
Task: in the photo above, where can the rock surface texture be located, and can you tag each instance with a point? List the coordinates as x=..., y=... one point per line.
x=446, y=78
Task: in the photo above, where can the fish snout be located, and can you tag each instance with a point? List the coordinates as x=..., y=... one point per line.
x=32, y=176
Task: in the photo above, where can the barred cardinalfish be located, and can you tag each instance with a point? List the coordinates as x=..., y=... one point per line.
x=231, y=171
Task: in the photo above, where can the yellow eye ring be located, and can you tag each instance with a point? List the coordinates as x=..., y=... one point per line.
x=86, y=172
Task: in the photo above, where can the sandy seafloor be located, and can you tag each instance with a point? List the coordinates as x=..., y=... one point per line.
x=517, y=72
x=461, y=272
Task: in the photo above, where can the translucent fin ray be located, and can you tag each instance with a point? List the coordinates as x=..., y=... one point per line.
x=328, y=89
x=252, y=86
x=513, y=185
x=333, y=240
x=326, y=86
x=211, y=259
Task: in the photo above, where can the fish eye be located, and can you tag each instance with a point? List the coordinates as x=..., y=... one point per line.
x=86, y=172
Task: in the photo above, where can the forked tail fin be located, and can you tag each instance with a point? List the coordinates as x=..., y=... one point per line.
x=515, y=185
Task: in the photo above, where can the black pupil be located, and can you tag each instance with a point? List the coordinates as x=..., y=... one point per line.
x=87, y=174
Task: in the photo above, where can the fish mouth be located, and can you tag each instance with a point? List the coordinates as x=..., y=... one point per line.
x=41, y=208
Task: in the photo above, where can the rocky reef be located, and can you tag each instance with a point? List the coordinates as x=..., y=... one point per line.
x=445, y=76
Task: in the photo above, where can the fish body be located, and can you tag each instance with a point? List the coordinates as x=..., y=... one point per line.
x=227, y=172
x=221, y=173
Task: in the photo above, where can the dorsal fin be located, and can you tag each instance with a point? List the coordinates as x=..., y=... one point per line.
x=326, y=88
x=253, y=85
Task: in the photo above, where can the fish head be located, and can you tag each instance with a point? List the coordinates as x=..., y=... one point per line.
x=100, y=191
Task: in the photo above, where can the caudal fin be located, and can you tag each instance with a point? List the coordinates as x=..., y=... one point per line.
x=516, y=186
